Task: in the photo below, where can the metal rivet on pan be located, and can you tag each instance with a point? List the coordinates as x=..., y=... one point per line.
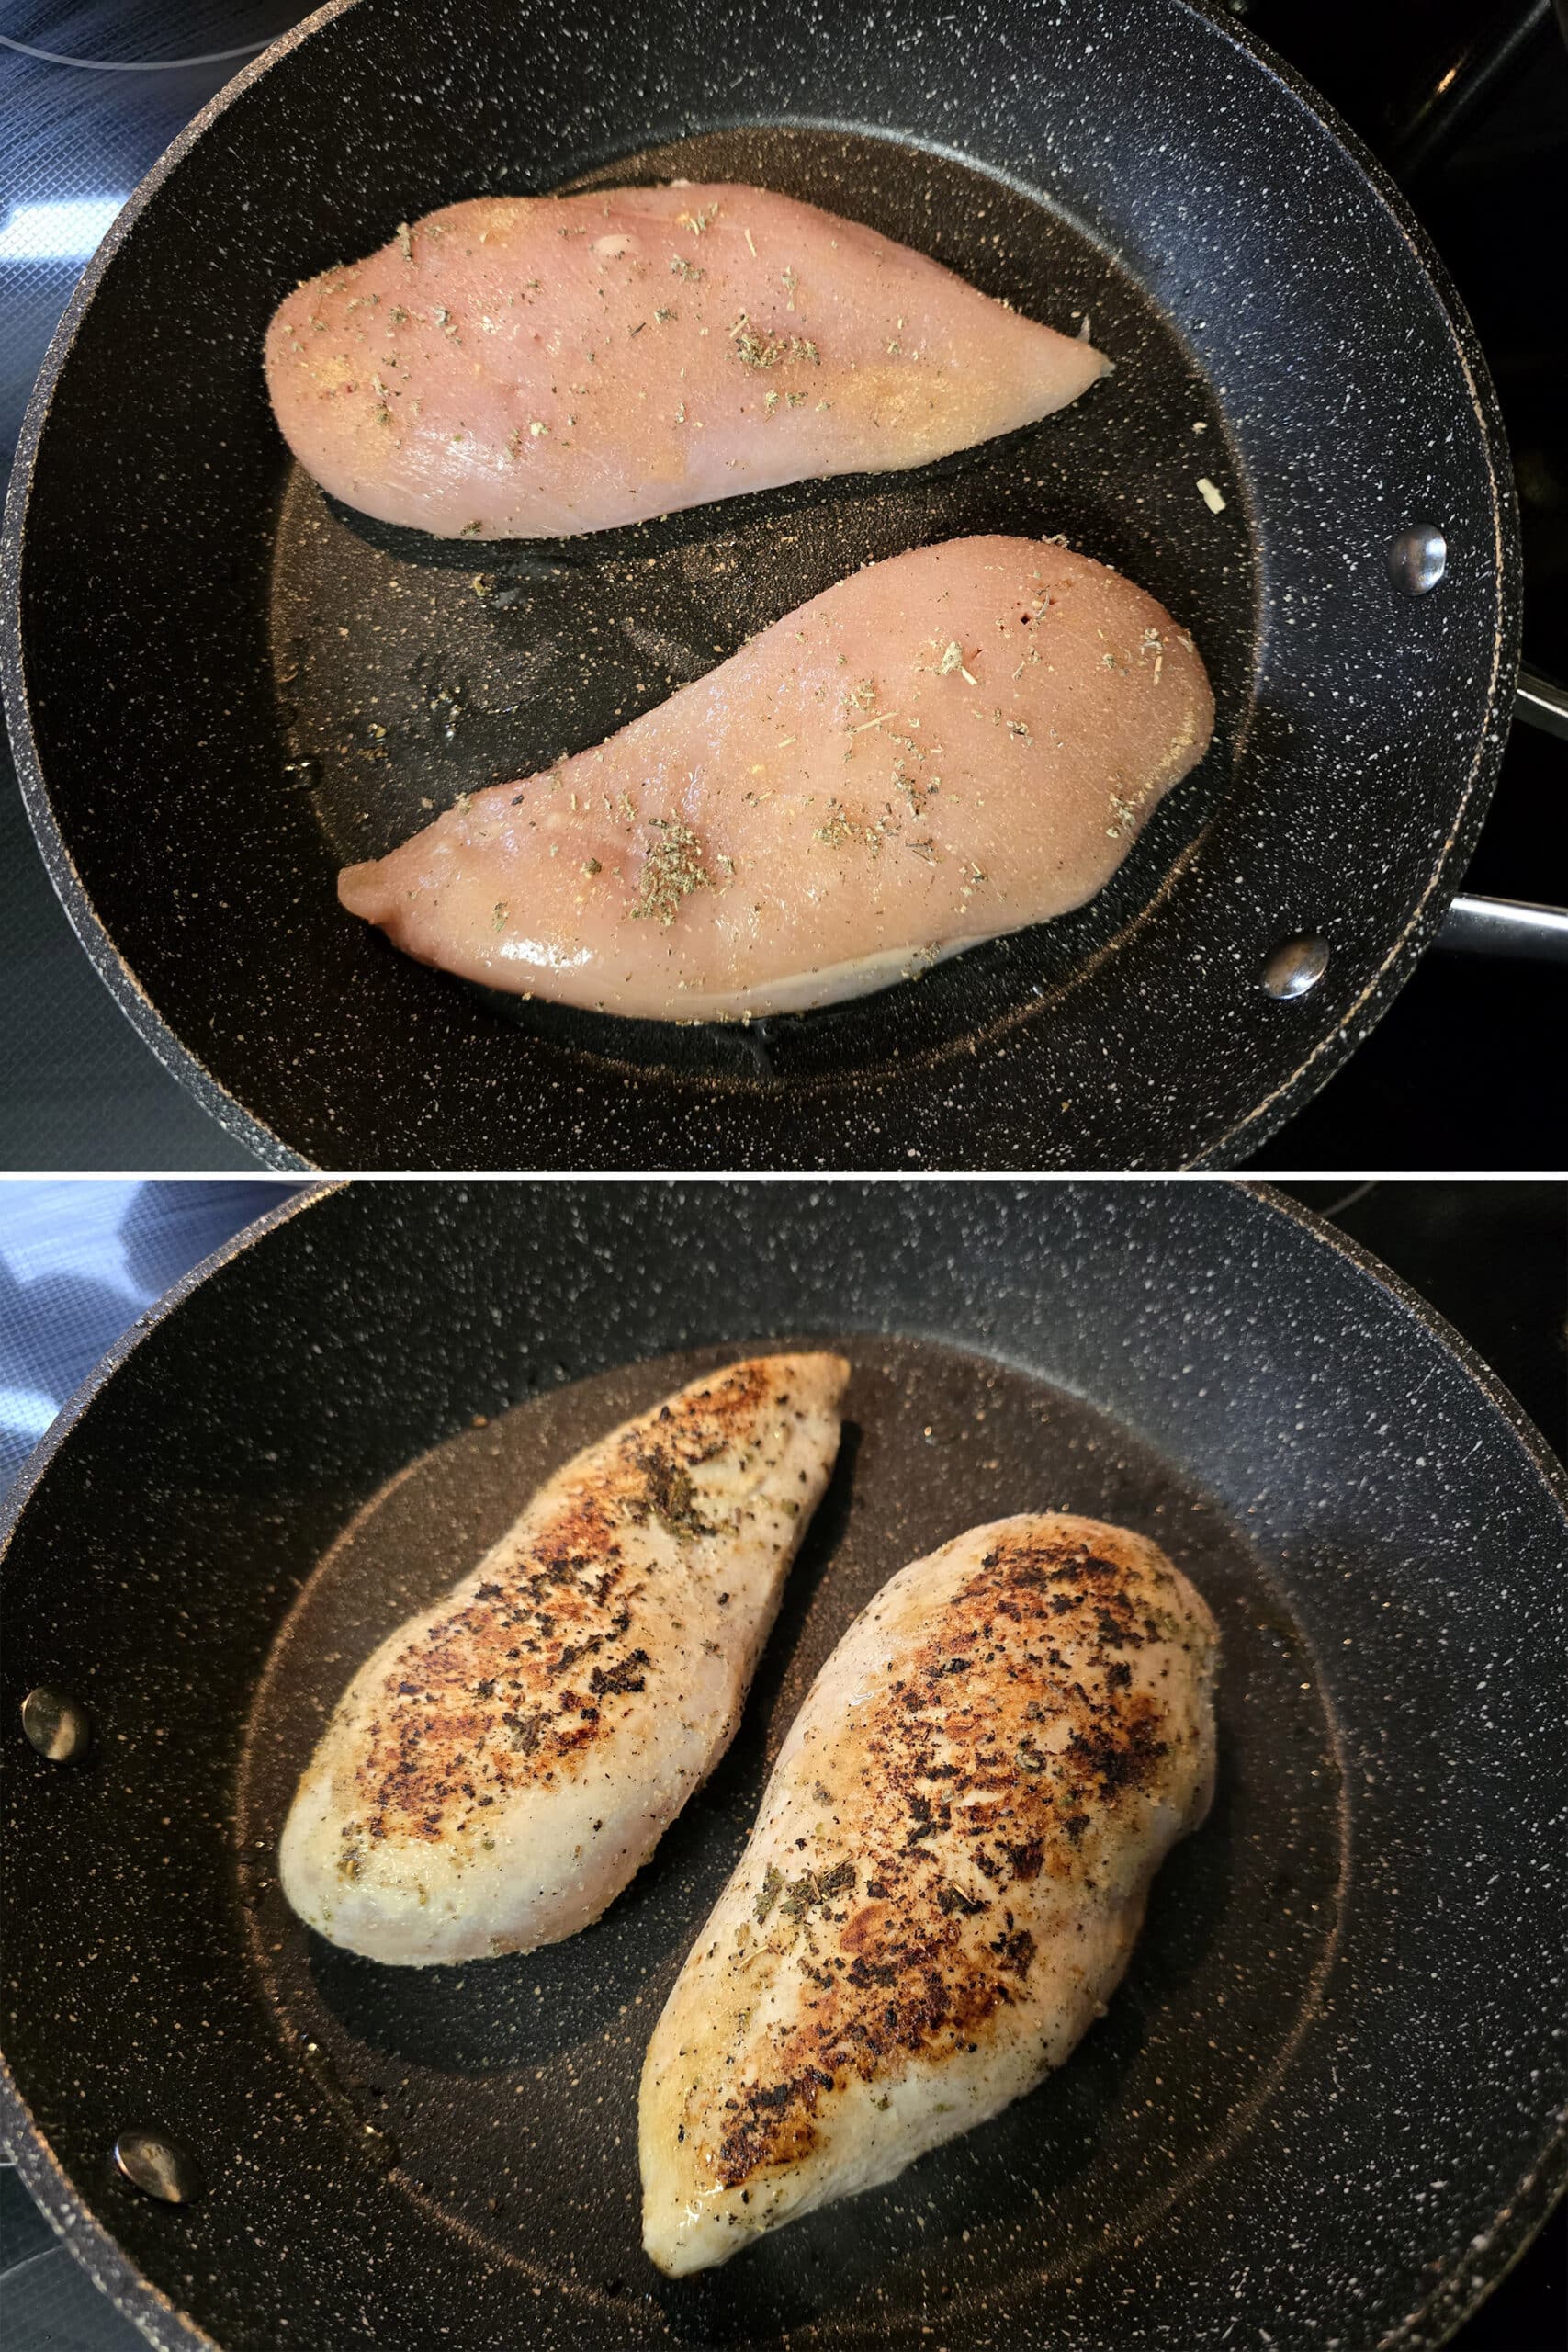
x=1417, y=559
x=1296, y=965
x=158, y=2167
x=58, y=1727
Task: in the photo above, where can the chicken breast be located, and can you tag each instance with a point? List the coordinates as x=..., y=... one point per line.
x=942, y=747
x=534, y=366
x=509, y=1759
x=945, y=1880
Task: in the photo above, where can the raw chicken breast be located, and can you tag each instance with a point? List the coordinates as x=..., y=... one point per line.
x=945, y=1880
x=942, y=747
x=508, y=1761
x=533, y=367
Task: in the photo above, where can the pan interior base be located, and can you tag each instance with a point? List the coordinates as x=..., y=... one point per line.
x=502, y=2095
x=409, y=670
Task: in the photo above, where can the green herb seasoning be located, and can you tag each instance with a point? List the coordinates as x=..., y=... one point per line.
x=669, y=1496
x=672, y=870
x=812, y=1888
x=771, y=350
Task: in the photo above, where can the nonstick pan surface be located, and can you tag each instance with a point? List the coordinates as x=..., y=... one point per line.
x=1325, y=2107
x=203, y=653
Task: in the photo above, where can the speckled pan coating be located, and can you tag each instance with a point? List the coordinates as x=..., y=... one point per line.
x=1145, y=162
x=1328, y=2102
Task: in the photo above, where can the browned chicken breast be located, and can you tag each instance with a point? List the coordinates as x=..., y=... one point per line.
x=509, y=1759
x=945, y=1882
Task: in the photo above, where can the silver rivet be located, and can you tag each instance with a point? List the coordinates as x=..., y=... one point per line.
x=1296, y=965
x=158, y=2167
x=1417, y=559
x=58, y=1727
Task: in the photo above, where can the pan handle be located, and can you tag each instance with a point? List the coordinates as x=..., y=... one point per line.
x=1505, y=927
x=1511, y=926
x=1542, y=702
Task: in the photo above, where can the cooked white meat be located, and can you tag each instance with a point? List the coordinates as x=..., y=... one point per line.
x=945, y=1880
x=509, y=1759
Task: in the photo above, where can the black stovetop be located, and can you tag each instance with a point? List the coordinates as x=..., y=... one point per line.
x=1468, y=102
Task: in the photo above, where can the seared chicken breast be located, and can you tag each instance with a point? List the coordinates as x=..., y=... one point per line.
x=945, y=1880
x=509, y=1759
x=534, y=367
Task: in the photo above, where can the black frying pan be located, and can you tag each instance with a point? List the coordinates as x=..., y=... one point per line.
x=198, y=646
x=1325, y=2107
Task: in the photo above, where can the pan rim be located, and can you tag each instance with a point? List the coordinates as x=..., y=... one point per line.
x=93, y=933
x=1227, y=1149
x=135, y=2296
x=1406, y=951
x=1521, y=2209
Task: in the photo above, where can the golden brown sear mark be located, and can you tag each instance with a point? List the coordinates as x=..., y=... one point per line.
x=513, y=1684
x=910, y=1956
